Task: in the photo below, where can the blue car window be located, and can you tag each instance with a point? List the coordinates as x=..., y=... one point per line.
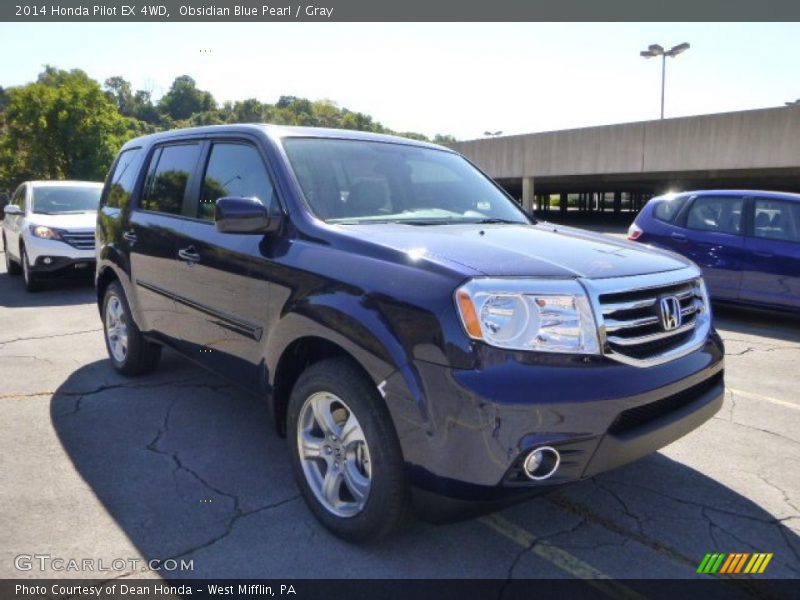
x=716, y=213
x=777, y=220
x=666, y=209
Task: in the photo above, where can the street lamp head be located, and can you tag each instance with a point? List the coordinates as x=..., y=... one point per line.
x=646, y=54
x=675, y=50
x=656, y=49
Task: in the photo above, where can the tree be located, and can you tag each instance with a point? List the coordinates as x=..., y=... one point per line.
x=62, y=126
x=184, y=99
x=119, y=91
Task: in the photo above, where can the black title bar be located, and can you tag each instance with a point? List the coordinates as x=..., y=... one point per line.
x=398, y=10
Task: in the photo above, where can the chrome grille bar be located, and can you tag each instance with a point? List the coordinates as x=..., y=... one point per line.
x=630, y=324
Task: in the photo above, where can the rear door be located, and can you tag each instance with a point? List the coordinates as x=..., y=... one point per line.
x=771, y=272
x=714, y=240
x=152, y=230
x=221, y=298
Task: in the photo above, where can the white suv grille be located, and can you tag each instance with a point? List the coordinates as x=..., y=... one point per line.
x=82, y=240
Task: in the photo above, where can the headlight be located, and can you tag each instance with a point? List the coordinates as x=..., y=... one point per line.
x=529, y=314
x=45, y=233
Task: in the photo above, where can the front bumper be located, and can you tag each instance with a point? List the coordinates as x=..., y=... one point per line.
x=464, y=434
x=56, y=258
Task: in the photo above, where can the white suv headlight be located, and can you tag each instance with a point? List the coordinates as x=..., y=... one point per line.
x=46, y=233
x=529, y=314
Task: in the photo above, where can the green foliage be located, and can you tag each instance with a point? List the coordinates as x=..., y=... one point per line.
x=62, y=126
x=184, y=99
x=66, y=126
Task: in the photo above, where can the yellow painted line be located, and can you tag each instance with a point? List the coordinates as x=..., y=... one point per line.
x=561, y=558
x=765, y=398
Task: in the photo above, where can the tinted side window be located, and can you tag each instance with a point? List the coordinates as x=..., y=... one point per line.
x=169, y=172
x=715, y=213
x=123, y=178
x=777, y=220
x=234, y=170
x=666, y=209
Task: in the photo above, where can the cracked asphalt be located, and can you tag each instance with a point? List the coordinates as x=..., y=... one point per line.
x=181, y=464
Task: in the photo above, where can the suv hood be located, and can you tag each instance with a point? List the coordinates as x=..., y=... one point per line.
x=541, y=250
x=79, y=221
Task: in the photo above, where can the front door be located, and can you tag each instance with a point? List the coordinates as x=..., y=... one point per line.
x=222, y=302
x=715, y=242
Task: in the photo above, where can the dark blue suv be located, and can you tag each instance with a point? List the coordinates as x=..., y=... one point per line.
x=418, y=338
x=746, y=242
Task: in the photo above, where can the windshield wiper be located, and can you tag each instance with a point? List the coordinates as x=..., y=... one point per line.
x=491, y=221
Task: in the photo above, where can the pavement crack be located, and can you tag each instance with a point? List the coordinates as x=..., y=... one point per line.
x=232, y=523
x=754, y=428
x=236, y=511
x=47, y=337
x=783, y=493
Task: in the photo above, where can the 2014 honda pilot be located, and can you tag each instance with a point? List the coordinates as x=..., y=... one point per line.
x=420, y=340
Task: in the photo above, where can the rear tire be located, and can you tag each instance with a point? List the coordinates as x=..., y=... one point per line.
x=12, y=267
x=32, y=284
x=345, y=454
x=130, y=353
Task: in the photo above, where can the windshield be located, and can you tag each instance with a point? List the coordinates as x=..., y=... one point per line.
x=353, y=181
x=54, y=200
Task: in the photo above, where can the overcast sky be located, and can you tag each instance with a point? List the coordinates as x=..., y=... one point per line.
x=460, y=79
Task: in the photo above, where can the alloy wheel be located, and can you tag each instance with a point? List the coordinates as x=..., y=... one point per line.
x=116, y=329
x=334, y=454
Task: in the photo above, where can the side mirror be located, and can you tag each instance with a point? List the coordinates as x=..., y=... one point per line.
x=12, y=209
x=234, y=214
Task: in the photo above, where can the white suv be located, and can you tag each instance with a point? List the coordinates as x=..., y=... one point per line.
x=48, y=229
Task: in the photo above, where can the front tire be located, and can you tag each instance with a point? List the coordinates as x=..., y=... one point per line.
x=12, y=268
x=32, y=284
x=129, y=352
x=345, y=454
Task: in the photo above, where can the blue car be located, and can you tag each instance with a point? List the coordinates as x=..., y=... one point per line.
x=746, y=242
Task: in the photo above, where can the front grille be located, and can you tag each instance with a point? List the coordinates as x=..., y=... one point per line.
x=82, y=240
x=640, y=415
x=633, y=323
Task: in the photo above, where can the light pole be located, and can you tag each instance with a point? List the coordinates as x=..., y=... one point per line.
x=657, y=50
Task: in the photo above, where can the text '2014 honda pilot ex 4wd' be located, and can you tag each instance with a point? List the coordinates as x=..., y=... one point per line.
x=418, y=338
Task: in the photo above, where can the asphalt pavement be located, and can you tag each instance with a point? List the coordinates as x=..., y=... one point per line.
x=182, y=465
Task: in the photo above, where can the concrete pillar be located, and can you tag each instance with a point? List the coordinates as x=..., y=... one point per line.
x=527, y=195
x=563, y=203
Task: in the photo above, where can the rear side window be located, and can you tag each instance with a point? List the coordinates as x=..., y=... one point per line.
x=715, y=213
x=123, y=178
x=777, y=220
x=234, y=170
x=666, y=209
x=168, y=175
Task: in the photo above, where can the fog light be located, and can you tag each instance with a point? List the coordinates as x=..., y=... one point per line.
x=541, y=463
x=47, y=260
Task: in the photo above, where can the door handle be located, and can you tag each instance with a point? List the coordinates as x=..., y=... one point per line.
x=678, y=237
x=763, y=253
x=189, y=254
x=129, y=237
